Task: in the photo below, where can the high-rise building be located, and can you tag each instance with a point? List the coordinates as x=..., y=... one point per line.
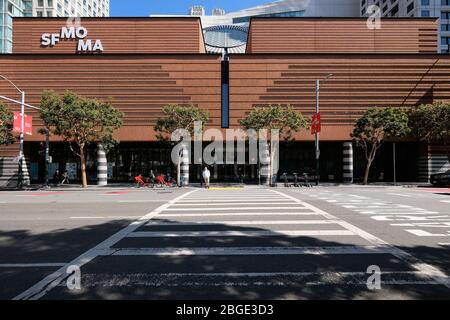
x=45, y=8
x=68, y=8
x=197, y=11
x=8, y=10
x=413, y=8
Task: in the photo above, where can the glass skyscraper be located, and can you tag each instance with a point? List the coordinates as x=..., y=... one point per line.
x=8, y=9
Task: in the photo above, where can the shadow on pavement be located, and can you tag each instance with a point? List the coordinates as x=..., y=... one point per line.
x=215, y=277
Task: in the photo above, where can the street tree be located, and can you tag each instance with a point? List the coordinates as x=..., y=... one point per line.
x=80, y=121
x=286, y=120
x=375, y=127
x=175, y=117
x=6, y=125
x=431, y=123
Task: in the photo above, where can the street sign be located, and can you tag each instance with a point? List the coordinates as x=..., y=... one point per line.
x=316, y=125
x=17, y=125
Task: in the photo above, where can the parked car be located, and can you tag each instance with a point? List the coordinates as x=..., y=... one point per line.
x=441, y=179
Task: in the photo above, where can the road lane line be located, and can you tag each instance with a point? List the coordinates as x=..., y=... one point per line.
x=252, y=234
x=252, y=251
x=41, y=288
x=31, y=265
x=445, y=201
x=428, y=269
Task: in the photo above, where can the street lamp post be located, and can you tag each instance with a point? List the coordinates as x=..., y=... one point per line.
x=22, y=125
x=317, y=134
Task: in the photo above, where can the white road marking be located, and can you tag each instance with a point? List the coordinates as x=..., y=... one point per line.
x=423, y=233
x=140, y=201
x=264, y=200
x=179, y=215
x=236, y=208
x=427, y=269
x=252, y=251
x=444, y=244
x=222, y=204
x=400, y=195
x=41, y=288
x=31, y=265
x=358, y=197
x=445, y=201
x=243, y=223
x=106, y=217
x=274, y=233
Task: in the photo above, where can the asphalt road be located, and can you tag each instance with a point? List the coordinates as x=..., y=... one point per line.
x=226, y=243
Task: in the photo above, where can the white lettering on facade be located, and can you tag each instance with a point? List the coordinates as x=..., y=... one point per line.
x=80, y=33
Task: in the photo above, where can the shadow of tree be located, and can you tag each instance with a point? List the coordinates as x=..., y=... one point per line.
x=214, y=277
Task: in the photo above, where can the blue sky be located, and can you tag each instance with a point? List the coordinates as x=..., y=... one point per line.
x=132, y=8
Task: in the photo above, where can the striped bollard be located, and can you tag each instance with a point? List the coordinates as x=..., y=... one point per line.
x=348, y=162
x=265, y=164
x=102, y=166
x=184, y=166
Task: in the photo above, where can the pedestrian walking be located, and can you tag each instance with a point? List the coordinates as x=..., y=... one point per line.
x=56, y=177
x=206, y=177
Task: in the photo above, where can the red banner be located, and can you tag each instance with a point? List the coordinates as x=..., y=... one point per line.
x=28, y=125
x=28, y=128
x=17, y=122
x=316, y=125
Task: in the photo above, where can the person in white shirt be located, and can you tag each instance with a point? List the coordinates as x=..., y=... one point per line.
x=206, y=177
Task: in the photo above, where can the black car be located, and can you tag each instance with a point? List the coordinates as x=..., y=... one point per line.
x=441, y=179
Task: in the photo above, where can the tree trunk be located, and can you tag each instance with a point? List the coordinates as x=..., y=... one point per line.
x=83, y=167
x=366, y=173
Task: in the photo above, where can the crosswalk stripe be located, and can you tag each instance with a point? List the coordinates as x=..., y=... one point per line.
x=265, y=200
x=224, y=204
x=31, y=265
x=248, y=222
x=178, y=215
x=236, y=208
x=251, y=251
x=182, y=234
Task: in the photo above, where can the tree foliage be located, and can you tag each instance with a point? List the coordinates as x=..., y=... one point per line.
x=179, y=117
x=275, y=117
x=285, y=119
x=376, y=126
x=80, y=121
x=431, y=123
x=6, y=125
